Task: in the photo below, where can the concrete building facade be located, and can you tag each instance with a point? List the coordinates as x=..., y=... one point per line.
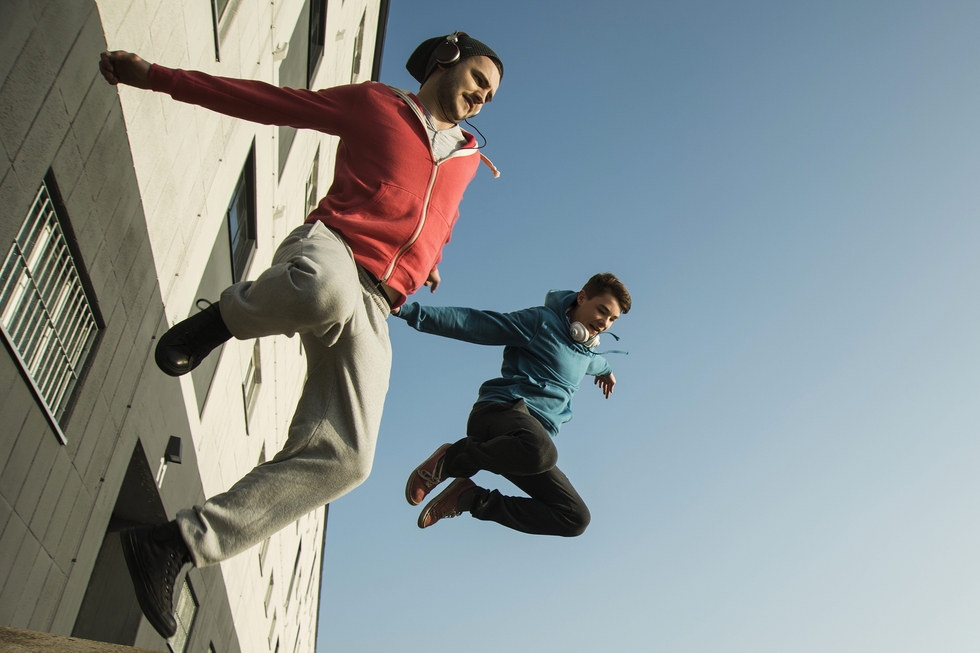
x=119, y=209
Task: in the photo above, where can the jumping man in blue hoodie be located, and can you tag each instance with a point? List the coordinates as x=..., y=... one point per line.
x=547, y=352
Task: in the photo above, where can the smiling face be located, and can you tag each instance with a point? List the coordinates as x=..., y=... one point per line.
x=458, y=92
x=597, y=313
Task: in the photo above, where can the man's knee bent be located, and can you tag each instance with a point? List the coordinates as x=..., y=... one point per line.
x=358, y=469
x=542, y=458
x=324, y=297
x=577, y=521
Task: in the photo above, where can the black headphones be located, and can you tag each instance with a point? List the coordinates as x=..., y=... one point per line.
x=447, y=52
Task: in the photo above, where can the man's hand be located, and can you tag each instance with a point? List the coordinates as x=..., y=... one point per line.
x=606, y=383
x=434, y=279
x=121, y=67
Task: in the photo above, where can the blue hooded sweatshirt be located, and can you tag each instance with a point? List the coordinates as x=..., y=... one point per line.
x=542, y=364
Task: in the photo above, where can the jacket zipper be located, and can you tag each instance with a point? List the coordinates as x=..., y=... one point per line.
x=418, y=229
x=428, y=191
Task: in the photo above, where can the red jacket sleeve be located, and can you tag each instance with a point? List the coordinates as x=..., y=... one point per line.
x=326, y=110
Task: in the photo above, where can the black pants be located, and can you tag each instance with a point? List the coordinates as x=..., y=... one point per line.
x=505, y=439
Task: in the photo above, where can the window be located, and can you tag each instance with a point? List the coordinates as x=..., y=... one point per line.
x=250, y=386
x=312, y=198
x=303, y=57
x=264, y=548
x=184, y=612
x=309, y=583
x=227, y=264
x=272, y=631
x=268, y=593
x=241, y=220
x=48, y=317
x=355, y=69
x=222, y=12
x=292, y=579
x=318, y=31
x=217, y=13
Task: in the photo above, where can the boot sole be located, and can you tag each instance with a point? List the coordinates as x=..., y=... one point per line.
x=142, y=586
x=162, y=363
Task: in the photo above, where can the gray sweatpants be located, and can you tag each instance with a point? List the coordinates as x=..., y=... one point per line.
x=313, y=288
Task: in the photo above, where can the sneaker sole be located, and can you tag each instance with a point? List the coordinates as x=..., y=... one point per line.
x=141, y=584
x=411, y=477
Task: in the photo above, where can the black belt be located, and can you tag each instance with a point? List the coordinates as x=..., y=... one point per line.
x=377, y=284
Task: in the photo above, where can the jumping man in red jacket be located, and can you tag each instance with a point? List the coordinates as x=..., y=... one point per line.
x=377, y=237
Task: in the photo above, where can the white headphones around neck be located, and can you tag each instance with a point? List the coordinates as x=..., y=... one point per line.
x=580, y=334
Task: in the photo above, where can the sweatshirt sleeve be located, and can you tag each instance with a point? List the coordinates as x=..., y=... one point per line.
x=472, y=325
x=256, y=101
x=599, y=366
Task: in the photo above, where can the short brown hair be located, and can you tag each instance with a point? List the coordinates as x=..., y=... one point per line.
x=606, y=282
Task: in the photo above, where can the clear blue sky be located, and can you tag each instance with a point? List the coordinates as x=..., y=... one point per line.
x=789, y=461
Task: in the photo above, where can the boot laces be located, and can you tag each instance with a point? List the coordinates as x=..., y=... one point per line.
x=200, y=333
x=170, y=579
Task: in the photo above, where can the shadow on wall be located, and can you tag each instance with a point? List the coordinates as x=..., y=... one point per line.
x=109, y=611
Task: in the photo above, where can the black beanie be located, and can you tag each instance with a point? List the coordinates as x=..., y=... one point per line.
x=423, y=60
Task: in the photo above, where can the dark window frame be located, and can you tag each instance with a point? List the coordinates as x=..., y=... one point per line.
x=252, y=383
x=306, y=47
x=317, y=39
x=358, y=54
x=243, y=241
x=312, y=183
x=221, y=11
x=229, y=262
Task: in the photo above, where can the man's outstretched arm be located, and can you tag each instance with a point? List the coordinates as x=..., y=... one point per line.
x=330, y=111
x=473, y=325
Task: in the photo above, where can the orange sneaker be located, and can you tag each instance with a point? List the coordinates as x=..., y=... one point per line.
x=425, y=477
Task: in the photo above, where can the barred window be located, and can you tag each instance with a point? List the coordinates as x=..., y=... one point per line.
x=45, y=314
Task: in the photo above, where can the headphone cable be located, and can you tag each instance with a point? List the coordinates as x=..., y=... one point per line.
x=478, y=132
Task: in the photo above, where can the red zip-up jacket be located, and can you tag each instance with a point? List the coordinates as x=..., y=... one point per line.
x=392, y=203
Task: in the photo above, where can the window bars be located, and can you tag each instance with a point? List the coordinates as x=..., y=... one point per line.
x=44, y=313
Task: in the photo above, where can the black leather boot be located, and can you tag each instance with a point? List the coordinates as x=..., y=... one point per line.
x=187, y=343
x=155, y=555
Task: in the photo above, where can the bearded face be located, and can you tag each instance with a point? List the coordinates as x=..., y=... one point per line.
x=462, y=90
